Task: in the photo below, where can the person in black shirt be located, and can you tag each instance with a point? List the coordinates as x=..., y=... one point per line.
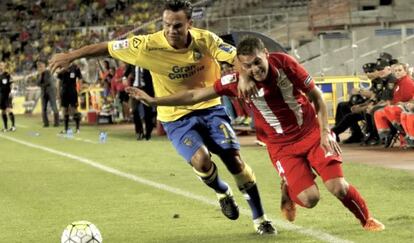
x=141, y=78
x=358, y=105
x=48, y=87
x=6, y=98
x=69, y=95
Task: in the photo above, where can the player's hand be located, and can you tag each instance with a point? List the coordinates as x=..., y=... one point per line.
x=246, y=87
x=329, y=144
x=140, y=95
x=59, y=61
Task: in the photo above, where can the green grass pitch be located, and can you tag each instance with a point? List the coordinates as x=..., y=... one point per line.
x=142, y=191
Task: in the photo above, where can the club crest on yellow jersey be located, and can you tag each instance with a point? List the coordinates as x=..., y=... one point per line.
x=197, y=55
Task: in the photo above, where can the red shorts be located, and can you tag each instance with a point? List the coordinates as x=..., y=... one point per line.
x=295, y=161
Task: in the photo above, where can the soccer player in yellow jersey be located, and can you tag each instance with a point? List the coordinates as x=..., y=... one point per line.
x=180, y=57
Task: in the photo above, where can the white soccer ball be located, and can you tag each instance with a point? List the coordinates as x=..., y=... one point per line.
x=81, y=232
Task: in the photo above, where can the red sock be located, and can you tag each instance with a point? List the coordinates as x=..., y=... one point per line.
x=356, y=204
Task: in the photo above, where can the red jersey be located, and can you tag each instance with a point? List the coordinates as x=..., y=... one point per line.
x=282, y=111
x=403, y=90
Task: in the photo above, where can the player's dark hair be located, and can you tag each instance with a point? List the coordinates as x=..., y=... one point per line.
x=178, y=5
x=249, y=45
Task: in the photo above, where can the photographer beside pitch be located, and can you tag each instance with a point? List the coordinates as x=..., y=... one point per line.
x=180, y=57
x=296, y=138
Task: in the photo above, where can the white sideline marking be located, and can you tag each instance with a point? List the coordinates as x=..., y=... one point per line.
x=279, y=223
x=22, y=126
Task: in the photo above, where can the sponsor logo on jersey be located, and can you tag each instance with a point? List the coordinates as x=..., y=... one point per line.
x=72, y=75
x=226, y=47
x=121, y=44
x=4, y=81
x=135, y=42
x=228, y=79
x=184, y=72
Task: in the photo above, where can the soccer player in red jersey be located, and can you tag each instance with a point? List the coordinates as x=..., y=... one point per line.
x=295, y=131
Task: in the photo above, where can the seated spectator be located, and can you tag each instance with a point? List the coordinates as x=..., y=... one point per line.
x=387, y=120
x=352, y=112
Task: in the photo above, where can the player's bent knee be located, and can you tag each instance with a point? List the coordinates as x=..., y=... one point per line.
x=338, y=187
x=310, y=201
x=231, y=158
x=201, y=160
x=309, y=198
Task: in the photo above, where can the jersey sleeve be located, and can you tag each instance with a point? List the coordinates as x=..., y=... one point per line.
x=227, y=85
x=298, y=74
x=128, y=50
x=220, y=50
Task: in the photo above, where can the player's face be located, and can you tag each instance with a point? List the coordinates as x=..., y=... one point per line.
x=176, y=26
x=256, y=65
x=399, y=71
x=2, y=66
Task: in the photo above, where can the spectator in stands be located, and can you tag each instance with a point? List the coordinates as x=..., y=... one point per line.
x=69, y=95
x=296, y=128
x=181, y=57
x=389, y=117
x=6, y=102
x=47, y=85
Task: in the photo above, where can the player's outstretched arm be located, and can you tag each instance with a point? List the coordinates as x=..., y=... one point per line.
x=187, y=97
x=63, y=60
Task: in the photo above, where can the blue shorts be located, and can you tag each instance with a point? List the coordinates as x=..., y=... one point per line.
x=209, y=127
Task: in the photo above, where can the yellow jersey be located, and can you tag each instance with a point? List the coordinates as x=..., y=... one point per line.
x=174, y=70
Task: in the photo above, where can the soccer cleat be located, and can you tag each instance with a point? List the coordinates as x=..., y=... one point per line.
x=228, y=206
x=287, y=206
x=265, y=228
x=12, y=129
x=373, y=225
x=77, y=131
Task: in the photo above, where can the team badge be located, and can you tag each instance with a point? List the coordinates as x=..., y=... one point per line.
x=228, y=79
x=226, y=47
x=121, y=44
x=197, y=54
x=188, y=142
x=135, y=42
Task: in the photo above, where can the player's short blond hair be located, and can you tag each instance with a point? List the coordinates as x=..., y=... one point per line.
x=249, y=45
